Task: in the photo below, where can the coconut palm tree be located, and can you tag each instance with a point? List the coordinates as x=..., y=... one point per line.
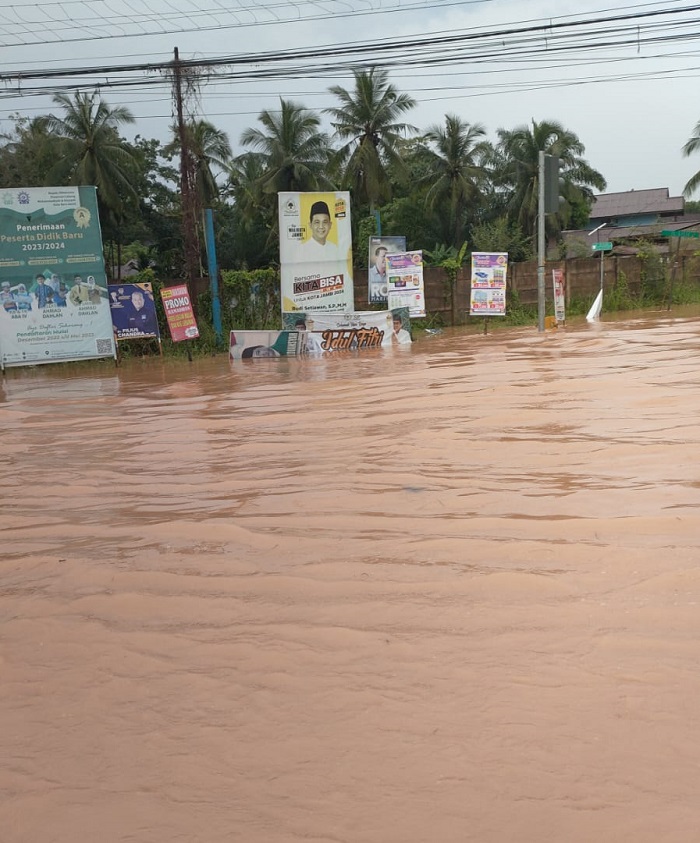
x=516, y=165
x=209, y=147
x=455, y=156
x=692, y=145
x=92, y=152
x=367, y=121
x=295, y=153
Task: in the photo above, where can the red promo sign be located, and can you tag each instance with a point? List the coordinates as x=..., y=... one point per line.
x=178, y=312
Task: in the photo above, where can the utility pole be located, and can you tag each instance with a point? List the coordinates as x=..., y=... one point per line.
x=188, y=191
x=540, y=243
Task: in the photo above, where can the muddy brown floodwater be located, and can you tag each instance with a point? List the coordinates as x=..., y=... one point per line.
x=445, y=593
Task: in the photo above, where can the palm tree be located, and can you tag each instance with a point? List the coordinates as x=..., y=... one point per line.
x=210, y=147
x=456, y=171
x=368, y=121
x=693, y=145
x=517, y=169
x=92, y=152
x=294, y=152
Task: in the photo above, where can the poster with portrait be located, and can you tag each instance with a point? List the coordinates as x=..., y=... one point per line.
x=379, y=248
x=179, y=313
x=53, y=286
x=133, y=311
x=559, y=285
x=489, y=271
x=316, y=252
x=405, y=282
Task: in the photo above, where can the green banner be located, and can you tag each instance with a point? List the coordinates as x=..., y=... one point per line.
x=53, y=287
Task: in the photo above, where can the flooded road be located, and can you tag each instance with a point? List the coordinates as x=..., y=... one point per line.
x=450, y=594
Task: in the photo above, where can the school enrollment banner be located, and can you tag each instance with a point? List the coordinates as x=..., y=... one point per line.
x=53, y=287
x=488, y=288
x=316, y=252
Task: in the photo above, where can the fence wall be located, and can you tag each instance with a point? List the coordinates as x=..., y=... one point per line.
x=582, y=281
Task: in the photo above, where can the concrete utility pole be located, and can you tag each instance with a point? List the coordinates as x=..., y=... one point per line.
x=188, y=187
x=540, y=243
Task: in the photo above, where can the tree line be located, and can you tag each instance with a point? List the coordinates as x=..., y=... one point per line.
x=441, y=187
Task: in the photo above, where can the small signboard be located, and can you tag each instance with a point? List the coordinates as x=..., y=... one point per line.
x=684, y=233
x=605, y=246
x=178, y=312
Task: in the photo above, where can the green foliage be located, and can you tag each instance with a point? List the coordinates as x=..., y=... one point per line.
x=619, y=297
x=366, y=228
x=250, y=299
x=653, y=274
x=500, y=235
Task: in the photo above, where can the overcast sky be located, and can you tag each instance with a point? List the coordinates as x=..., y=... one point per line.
x=632, y=101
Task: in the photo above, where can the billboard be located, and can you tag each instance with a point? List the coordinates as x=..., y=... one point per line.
x=488, y=288
x=53, y=287
x=316, y=252
x=179, y=313
x=133, y=311
x=379, y=247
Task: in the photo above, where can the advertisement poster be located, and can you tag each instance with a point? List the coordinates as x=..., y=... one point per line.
x=405, y=282
x=379, y=248
x=559, y=282
x=316, y=252
x=265, y=345
x=488, y=288
x=133, y=311
x=178, y=312
x=53, y=287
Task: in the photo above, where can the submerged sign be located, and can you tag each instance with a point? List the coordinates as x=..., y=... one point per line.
x=53, y=290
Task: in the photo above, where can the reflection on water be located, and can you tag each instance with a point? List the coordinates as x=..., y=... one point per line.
x=441, y=593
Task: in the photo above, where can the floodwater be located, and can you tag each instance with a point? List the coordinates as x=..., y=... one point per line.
x=445, y=593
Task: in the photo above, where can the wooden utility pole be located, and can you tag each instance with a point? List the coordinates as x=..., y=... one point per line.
x=188, y=187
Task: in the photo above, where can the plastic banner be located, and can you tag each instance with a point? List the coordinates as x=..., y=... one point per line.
x=316, y=252
x=53, y=288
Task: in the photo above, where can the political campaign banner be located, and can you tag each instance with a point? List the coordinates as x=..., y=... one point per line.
x=133, y=311
x=404, y=272
x=488, y=284
x=179, y=313
x=53, y=287
x=379, y=248
x=316, y=252
x=559, y=284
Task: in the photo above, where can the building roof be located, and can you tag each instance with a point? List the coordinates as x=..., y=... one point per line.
x=635, y=202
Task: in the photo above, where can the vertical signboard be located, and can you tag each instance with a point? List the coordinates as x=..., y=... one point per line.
x=405, y=282
x=488, y=287
x=559, y=283
x=53, y=287
x=316, y=252
x=379, y=248
x=179, y=313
